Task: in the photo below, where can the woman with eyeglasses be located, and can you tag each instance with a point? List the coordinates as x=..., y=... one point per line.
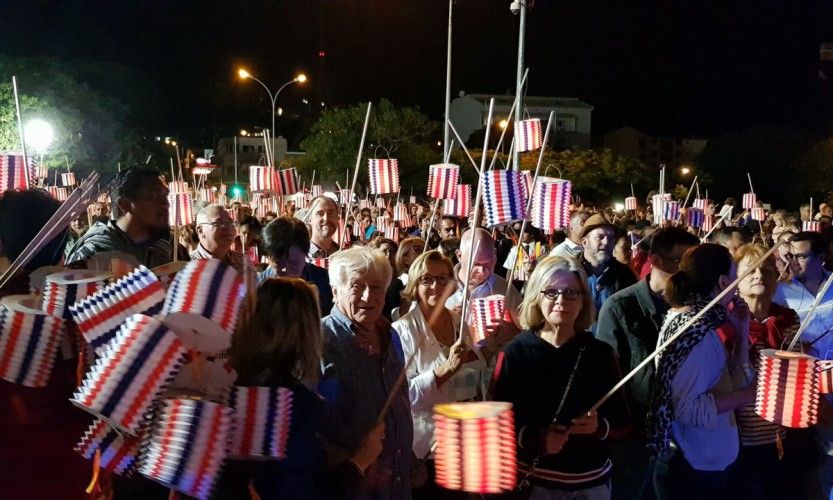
x=699, y=384
x=444, y=368
x=553, y=372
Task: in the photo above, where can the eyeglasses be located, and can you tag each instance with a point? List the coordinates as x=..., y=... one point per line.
x=220, y=224
x=567, y=293
x=430, y=280
x=799, y=256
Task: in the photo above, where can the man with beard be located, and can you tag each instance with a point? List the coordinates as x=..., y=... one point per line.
x=605, y=275
x=323, y=223
x=141, y=227
x=215, y=230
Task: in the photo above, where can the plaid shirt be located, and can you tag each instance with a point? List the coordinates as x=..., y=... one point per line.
x=355, y=386
x=234, y=259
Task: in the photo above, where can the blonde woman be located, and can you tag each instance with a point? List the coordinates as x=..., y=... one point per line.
x=409, y=250
x=552, y=373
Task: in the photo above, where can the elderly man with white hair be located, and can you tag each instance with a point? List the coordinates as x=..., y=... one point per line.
x=216, y=232
x=362, y=360
x=478, y=245
x=571, y=247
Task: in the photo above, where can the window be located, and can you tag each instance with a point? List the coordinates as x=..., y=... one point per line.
x=248, y=149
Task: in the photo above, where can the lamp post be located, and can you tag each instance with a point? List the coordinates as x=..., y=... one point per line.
x=273, y=98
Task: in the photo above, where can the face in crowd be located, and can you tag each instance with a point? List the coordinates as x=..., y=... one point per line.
x=324, y=219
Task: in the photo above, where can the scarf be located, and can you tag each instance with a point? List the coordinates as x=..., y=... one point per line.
x=660, y=413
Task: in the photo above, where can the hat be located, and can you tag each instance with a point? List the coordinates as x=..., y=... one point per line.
x=595, y=221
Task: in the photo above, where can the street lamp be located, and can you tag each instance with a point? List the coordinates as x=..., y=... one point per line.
x=301, y=78
x=38, y=134
x=503, y=124
x=685, y=170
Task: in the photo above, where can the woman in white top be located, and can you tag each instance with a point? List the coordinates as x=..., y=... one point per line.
x=692, y=431
x=444, y=369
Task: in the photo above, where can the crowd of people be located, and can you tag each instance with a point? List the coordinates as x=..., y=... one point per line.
x=342, y=309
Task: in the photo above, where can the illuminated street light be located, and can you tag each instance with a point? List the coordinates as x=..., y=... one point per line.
x=503, y=124
x=685, y=170
x=243, y=73
x=301, y=78
x=38, y=134
x=244, y=132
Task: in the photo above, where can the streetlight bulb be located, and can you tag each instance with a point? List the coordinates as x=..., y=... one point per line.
x=280, y=111
x=685, y=170
x=301, y=78
x=243, y=73
x=503, y=124
x=244, y=132
x=173, y=143
x=38, y=134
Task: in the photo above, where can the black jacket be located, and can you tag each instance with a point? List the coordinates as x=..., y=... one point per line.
x=630, y=321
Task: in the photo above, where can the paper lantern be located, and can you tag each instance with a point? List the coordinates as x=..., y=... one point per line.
x=671, y=210
x=551, y=204
x=12, y=172
x=343, y=196
x=811, y=225
x=749, y=200
x=528, y=135
x=443, y=179
x=37, y=278
x=118, y=451
x=316, y=190
x=263, y=417
x=223, y=189
x=630, y=203
x=364, y=204
x=384, y=175
x=180, y=209
x=700, y=203
x=484, y=312
x=380, y=203
x=708, y=222
x=261, y=179
x=167, y=272
x=382, y=223
x=63, y=289
x=177, y=187
x=475, y=447
x=826, y=381
x=187, y=445
x=788, y=388
x=658, y=206
x=42, y=172
x=319, y=262
x=100, y=315
x=342, y=235
x=503, y=197
x=29, y=341
x=460, y=206
x=400, y=212
x=203, y=303
x=695, y=217
x=412, y=200
x=758, y=214
x=287, y=182
x=68, y=179
x=131, y=373
x=392, y=233
x=59, y=193
x=206, y=195
x=300, y=200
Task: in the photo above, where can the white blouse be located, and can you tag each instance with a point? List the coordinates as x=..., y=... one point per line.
x=422, y=385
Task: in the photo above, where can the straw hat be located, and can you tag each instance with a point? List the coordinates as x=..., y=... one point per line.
x=595, y=221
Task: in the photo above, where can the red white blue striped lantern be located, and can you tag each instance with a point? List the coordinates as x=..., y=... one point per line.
x=749, y=201
x=443, y=179
x=551, y=204
x=68, y=179
x=263, y=418
x=287, y=181
x=29, y=341
x=811, y=225
x=180, y=209
x=503, y=196
x=63, y=289
x=59, y=193
x=117, y=451
x=788, y=388
x=384, y=175
x=630, y=203
x=460, y=206
x=758, y=213
x=528, y=135
x=695, y=217
x=261, y=179
x=485, y=312
x=12, y=172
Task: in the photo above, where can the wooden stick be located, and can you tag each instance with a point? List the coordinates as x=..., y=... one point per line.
x=20, y=131
x=688, y=324
x=811, y=314
x=751, y=189
x=355, y=172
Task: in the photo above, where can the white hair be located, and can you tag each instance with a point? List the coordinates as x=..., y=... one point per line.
x=203, y=214
x=359, y=261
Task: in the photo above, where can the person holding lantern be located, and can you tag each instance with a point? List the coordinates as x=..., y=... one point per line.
x=562, y=442
x=692, y=432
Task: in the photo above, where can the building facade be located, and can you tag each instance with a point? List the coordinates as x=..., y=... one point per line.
x=653, y=151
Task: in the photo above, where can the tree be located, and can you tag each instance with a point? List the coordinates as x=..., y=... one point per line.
x=402, y=133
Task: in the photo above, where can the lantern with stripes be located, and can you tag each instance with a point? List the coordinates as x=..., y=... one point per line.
x=42, y=172
x=475, y=447
x=528, y=135
x=658, y=206
x=29, y=341
x=708, y=222
x=319, y=262
x=811, y=225
x=671, y=210
x=630, y=203
x=749, y=200
x=12, y=172
x=178, y=187
x=503, y=197
x=203, y=303
x=384, y=175
x=788, y=388
x=758, y=214
x=392, y=233
x=63, y=289
x=826, y=380
x=206, y=195
x=187, y=445
x=460, y=206
x=261, y=179
x=485, y=312
x=117, y=451
x=180, y=209
x=131, y=373
x=287, y=181
x=343, y=196
x=551, y=204
x=316, y=190
x=59, y=193
x=700, y=203
x=263, y=417
x=100, y=315
x=443, y=179
x=382, y=223
x=68, y=179
x=694, y=217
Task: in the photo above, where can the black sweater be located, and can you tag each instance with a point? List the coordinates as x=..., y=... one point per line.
x=532, y=375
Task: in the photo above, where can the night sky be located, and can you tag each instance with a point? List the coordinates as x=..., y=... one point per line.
x=698, y=68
